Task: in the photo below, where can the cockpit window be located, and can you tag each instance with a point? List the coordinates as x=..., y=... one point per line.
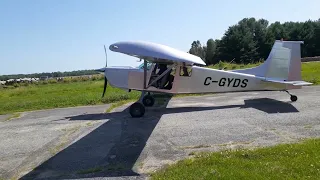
x=148, y=66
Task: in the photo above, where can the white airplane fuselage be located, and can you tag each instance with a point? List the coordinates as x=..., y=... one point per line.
x=173, y=71
x=201, y=80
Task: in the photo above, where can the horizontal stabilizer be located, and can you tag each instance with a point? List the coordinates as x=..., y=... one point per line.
x=294, y=83
x=301, y=83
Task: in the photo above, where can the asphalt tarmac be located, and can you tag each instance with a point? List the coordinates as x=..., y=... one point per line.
x=84, y=142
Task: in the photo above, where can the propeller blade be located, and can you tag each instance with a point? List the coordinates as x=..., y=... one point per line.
x=105, y=51
x=105, y=86
x=103, y=70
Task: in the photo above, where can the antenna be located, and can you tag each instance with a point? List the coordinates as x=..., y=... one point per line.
x=229, y=63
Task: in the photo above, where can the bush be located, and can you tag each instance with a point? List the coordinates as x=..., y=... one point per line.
x=66, y=80
x=221, y=65
x=24, y=84
x=16, y=85
x=52, y=81
x=73, y=79
x=84, y=78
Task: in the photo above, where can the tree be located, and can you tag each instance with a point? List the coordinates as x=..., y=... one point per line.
x=197, y=49
x=240, y=42
x=210, y=52
x=251, y=40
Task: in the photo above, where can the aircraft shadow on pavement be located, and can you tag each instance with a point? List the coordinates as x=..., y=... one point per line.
x=270, y=106
x=112, y=149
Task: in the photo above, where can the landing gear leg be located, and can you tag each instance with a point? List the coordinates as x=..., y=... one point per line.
x=293, y=98
x=143, y=93
x=137, y=109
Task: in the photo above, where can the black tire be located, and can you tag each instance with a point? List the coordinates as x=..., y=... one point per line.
x=293, y=98
x=137, y=110
x=148, y=100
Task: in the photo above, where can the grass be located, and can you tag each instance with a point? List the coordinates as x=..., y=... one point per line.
x=119, y=103
x=286, y=161
x=57, y=95
x=13, y=116
x=311, y=72
x=232, y=66
x=60, y=95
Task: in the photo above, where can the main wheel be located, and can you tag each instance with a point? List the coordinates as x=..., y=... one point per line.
x=148, y=100
x=137, y=110
x=293, y=98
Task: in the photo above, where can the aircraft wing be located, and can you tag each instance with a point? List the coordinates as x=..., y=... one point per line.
x=155, y=52
x=294, y=83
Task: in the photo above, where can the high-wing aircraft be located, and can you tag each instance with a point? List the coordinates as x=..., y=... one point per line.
x=168, y=70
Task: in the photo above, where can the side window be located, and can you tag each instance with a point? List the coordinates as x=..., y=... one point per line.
x=148, y=66
x=185, y=71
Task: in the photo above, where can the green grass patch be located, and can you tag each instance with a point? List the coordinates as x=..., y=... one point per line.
x=232, y=66
x=13, y=116
x=286, y=161
x=118, y=104
x=311, y=72
x=48, y=96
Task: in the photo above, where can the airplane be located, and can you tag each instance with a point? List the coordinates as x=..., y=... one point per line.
x=168, y=70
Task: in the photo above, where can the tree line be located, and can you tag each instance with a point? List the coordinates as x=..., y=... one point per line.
x=251, y=40
x=53, y=74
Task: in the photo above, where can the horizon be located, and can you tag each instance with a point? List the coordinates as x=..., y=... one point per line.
x=69, y=35
x=48, y=72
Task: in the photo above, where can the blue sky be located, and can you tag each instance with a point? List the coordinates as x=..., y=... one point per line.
x=65, y=35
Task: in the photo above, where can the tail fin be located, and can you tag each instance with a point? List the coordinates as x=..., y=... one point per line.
x=283, y=62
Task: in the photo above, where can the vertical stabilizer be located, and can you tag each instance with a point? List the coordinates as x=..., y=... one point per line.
x=283, y=62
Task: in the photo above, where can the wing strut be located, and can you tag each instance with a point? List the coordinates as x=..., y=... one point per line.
x=144, y=74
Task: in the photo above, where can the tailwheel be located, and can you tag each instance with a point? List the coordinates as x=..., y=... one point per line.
x=293, y=98
x=148, y=100
x=137, y=110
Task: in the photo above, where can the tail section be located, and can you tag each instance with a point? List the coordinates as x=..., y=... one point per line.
x=282, y=64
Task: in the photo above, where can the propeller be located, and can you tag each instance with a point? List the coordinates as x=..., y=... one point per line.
x=105, y=51
x=105, y=78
